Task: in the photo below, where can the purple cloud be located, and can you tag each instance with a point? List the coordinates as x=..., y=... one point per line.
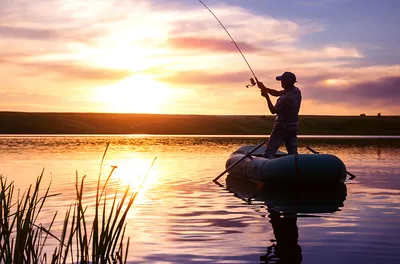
x=73, y=72
x=385, y=90
x=27, y=33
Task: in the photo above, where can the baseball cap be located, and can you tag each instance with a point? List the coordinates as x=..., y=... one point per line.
x=287, y=76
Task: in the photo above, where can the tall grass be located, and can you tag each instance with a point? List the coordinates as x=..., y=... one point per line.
x=100, y=240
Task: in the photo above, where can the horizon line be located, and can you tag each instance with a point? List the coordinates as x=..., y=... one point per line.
x=169, y=114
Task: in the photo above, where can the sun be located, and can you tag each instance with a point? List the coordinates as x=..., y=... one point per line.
x=135, y=94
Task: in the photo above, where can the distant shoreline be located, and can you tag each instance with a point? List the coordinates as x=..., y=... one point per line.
x=34, y=123
x=339, y=137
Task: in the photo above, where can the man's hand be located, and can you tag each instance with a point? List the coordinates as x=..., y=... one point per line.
x=270, y=91
x=264, y=92
x=260, y=84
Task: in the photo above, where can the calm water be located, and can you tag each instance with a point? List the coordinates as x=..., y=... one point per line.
x=180, y=216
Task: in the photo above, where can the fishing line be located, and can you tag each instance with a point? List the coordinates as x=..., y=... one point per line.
x=234, y=42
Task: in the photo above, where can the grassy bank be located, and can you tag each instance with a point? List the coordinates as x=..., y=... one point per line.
x=103, y=123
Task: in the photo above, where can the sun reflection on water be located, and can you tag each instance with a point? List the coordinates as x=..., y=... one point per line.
x=137, y=173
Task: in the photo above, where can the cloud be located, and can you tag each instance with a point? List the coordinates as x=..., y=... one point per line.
x=43, y=102
x=27, y=33
x=384, y=92
x=81, y=21
x=69, y=72
x=69, y=43
x=337, y=52
x=330, y=91
x=198, y=21
x=204, y=78
x=60, y=34
x=12, y=57
x=317, y=3
x=209, y=44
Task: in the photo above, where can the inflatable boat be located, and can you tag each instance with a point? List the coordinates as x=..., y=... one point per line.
x=284, y=168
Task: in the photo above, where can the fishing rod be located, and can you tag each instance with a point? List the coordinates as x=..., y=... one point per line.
x=253, y=82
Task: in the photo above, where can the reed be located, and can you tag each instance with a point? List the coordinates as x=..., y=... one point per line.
x=100, y=240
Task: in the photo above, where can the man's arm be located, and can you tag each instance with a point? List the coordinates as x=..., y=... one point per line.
x=271, y=107
x=269, y=90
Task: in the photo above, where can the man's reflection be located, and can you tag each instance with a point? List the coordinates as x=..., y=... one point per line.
x=283, y=204
x=286, y=248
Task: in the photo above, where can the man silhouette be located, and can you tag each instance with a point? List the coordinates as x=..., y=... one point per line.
x=287, y=114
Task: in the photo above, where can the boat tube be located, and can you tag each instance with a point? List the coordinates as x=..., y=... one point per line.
x=286, y=168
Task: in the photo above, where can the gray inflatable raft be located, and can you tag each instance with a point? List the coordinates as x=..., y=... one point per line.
x=287, y=168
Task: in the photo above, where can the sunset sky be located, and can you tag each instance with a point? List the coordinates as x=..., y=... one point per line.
x=158, y=56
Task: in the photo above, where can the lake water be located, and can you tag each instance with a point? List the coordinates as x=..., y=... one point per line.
x=181, y=216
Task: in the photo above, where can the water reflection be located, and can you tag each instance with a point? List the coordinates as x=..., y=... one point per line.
x=286, y=248
x=284, y=205
x=180, y=216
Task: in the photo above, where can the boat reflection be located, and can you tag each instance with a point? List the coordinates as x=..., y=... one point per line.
x=285, y=204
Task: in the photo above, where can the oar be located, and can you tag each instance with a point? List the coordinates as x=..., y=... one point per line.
x=313, y=151
x=237, y=162
x=352, y=176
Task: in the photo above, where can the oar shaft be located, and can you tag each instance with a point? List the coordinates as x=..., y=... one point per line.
x=240, y=160
x=313, y=151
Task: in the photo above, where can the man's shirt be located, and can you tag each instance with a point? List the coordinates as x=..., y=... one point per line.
x=288, y=106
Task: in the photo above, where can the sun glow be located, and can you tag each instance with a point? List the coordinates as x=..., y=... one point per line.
x=132, y=172
x=336, y=82
x=135, y=94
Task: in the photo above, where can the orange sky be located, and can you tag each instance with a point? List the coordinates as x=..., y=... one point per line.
x=125, y=56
